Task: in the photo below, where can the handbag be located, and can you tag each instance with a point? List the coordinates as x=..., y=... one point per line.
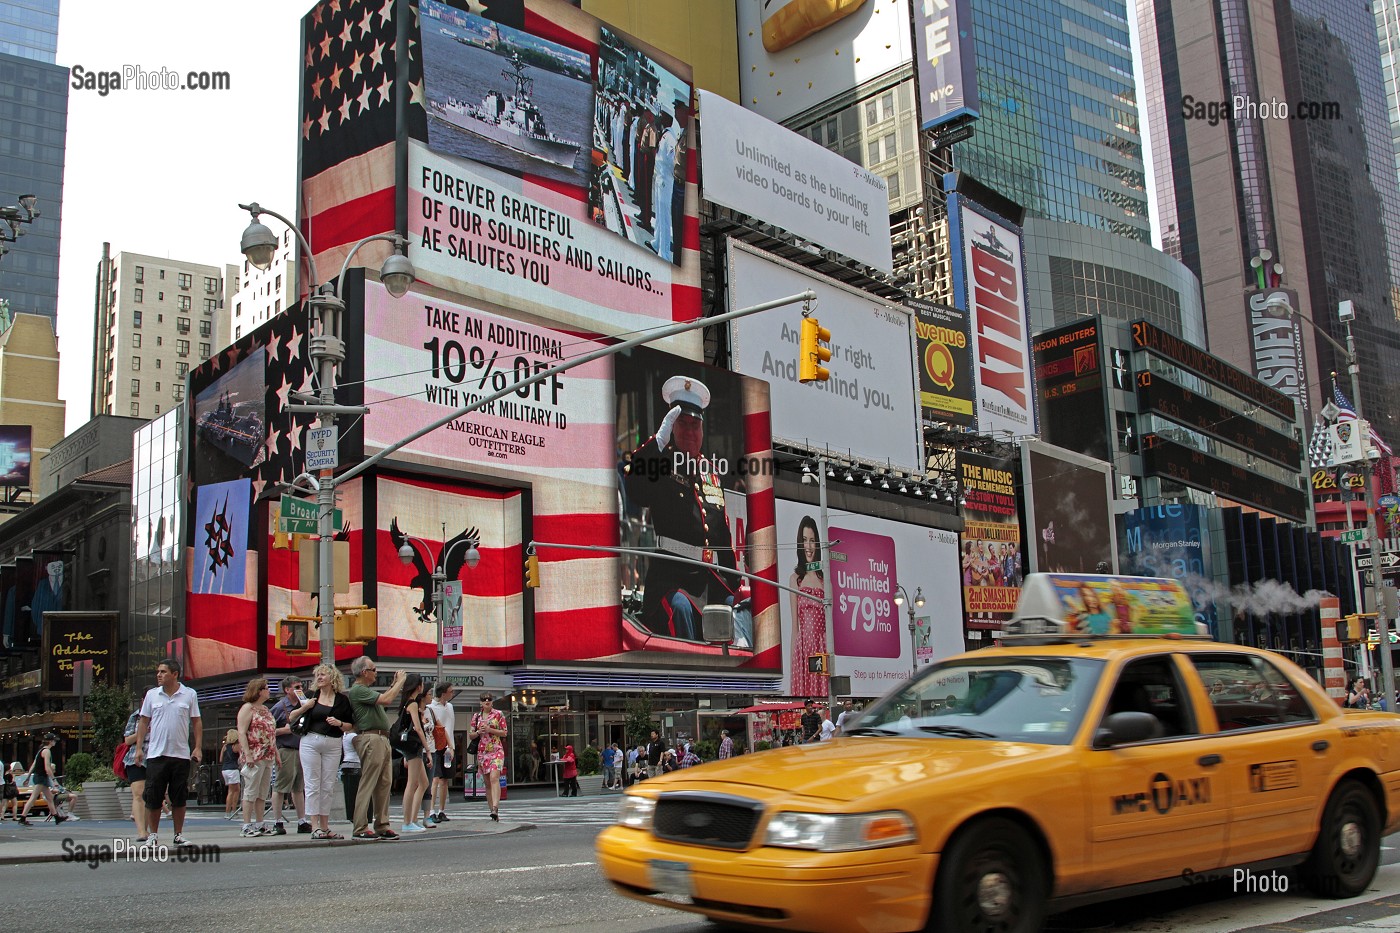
x=403, y=738
x=475, y=744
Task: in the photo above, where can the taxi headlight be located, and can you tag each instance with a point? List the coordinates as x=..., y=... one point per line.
x=636, y=812
x=840, y=832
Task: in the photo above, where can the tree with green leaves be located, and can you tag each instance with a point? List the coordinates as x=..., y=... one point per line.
x=639, y=720
x=108, y=707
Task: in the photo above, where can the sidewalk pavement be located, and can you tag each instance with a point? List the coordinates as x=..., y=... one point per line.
x=80, y=840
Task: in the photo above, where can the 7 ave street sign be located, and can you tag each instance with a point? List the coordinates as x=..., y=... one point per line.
x=300, y=517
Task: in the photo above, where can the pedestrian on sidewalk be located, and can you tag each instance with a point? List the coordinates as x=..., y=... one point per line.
x=656, y=750
x=326, y=717
x=372, y=745
x=43, y=779
x=570, y=774
x=350, y=773
x=257, y=749
x=489, y=725
x=410, y=723
x=289, y=783
x=444, y=748
x=9, y=804
x=169, y=712
x=610, y=756
x=135, y=776
x=228, y=768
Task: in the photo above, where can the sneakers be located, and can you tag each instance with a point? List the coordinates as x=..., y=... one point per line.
x=180, y=840
x=304, y=826
x=279, y=829
x=412, y=828
x=152, y=840
x=442, y=817
x=388, y=834
x=366, y=835
x=265, y=830
x=248, y=830
x=429, y=822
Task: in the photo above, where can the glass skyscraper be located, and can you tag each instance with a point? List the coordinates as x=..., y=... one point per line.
x=34, y=114
x=1059, y=132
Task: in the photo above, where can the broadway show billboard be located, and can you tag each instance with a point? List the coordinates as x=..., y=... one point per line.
x=991, y=561
x=767, y=171
x=786, y=66
x=989, y=280
x=554, y=174
x=70, y=637
x=1069, y=511
x=947, y=61
x=869, y=557
x=1170, y=541
x=945, y=363
x=869, y=405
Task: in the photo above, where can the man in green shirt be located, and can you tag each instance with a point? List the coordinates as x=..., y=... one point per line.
x=372, y=745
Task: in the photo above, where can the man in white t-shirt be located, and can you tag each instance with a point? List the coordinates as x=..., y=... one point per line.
x=828, y=727
x=444, y=748
x=163, y=745
x=848, y=712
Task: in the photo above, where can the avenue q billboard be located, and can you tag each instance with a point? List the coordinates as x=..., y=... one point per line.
x=767, y=171
x=989, y=280
x=869, y=406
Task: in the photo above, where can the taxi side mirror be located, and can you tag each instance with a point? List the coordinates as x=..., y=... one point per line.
x=1126, y=728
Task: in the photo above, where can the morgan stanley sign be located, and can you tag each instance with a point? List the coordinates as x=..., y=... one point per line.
x=947, y=63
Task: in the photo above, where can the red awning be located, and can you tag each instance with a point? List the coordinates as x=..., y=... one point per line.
x=772, y=707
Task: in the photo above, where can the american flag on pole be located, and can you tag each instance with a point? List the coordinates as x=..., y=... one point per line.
x=1348, y=413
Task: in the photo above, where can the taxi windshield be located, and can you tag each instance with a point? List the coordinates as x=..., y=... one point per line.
x=1021, y=699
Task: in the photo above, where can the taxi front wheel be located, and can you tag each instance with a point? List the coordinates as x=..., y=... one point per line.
x=991, y=879
x=1344, y=858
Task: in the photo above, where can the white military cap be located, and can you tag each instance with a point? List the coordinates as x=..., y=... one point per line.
x=692, y=395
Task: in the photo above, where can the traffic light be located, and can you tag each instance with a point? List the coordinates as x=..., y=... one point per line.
x=813, y=353
x=818, y=664
x=532, y=571
x=1350, y=630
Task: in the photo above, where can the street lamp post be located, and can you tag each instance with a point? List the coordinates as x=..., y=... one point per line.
x=259, y=244
x=1373, y=540
x=901, y=598
x=472, y=558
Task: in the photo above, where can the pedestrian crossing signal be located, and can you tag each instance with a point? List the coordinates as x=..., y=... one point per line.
x=818, y=664
x=532, y=571
x=812, y=352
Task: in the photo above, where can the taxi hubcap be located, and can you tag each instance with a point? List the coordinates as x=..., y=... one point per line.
x=1350, y=839
x=994, y=894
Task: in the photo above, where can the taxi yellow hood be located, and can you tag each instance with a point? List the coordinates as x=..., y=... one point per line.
x=859, y=766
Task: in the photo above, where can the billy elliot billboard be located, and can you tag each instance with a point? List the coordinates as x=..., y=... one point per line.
x=989, y=277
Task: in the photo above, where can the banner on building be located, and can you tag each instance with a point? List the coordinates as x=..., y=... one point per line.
x=947, y=61
x=1172, y=541
x=1276, y=343
x=1069, y=511
x=70, y=637
x=753, y=165
x=989, y=277
x=1069, y=376
x=16, y=454
x=869, y=405
x=945, y=363
x=991, y=560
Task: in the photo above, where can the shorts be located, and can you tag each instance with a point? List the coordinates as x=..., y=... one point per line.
x=135, y=773
x=257, y=780
x=231, y=777
x=166, y=775
x=288, y=771
x=41, y=780
x=440, y=769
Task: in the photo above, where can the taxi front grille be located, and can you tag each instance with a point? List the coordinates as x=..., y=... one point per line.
x=715, y=820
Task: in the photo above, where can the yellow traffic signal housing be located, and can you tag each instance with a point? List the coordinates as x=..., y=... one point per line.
x=812, y=352
x=532, y=571
x=819, y=664
x=1351, y=630
x=294, y=635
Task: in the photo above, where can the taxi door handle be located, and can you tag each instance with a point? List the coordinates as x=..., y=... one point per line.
x=1207, y=761
x=1321, y=745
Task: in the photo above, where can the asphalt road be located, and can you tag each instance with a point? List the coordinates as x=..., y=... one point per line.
x=539, y=878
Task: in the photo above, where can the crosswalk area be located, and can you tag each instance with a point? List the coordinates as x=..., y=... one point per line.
x=592, y=811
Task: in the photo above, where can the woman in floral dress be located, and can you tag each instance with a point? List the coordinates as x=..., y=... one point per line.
x=490, y=726
x=257, y=749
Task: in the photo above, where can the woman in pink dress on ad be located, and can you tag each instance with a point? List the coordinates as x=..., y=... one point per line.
x=808, y=617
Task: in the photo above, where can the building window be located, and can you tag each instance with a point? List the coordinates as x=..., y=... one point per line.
x=158, y=363
x=211, y=286
x=157, y=386
x=136, y=341
x=277, y=306
x=162, y=273
x=185, y=303
x=182, y=370
x=160, y=296
x=204, y=351
x=210, y=305
x=136, y=364
x=136, y=319
x=893, y=182
x=279, y=284
x=238, y=332
x=160, y=318
x=157, y=409
x=186, y=280
x=179, y=392
x=139, y=295
x=182, y=347
x=135, y=388
x=182, y=324
x=159, y=340
x=205, y=328
x=135, y=410
x=140, y=275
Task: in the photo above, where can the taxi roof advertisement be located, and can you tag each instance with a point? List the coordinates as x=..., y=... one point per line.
x=1107, y=605
x=753, y=165
x=869, y=558
x=869, y=406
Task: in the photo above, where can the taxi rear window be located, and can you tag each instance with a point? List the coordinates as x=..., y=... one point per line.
x=1248, y=692
x=1022, y=699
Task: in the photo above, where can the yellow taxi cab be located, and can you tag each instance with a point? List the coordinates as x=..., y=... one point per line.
x=1107, y=747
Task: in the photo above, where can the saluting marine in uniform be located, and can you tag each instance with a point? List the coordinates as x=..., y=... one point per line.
x=687, y=513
